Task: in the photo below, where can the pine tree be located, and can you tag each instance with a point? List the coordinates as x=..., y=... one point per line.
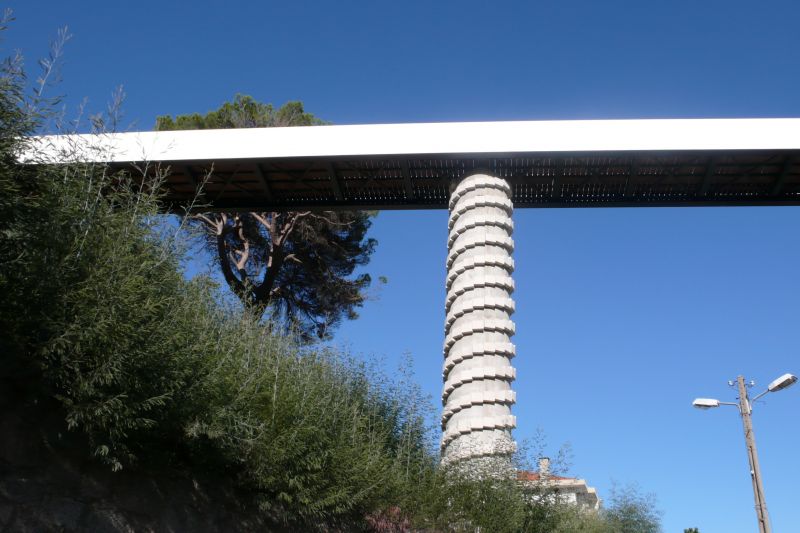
x=296, y=266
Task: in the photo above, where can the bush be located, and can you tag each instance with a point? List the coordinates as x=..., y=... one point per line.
x=99, y=324
x=151, y=368
x=99, y=320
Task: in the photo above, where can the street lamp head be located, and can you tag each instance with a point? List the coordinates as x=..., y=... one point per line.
x=786, y=380
x=705, y=403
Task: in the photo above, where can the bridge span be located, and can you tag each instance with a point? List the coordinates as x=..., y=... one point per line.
x=480, y=172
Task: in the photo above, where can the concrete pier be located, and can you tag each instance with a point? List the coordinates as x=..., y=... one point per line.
x=477, y=395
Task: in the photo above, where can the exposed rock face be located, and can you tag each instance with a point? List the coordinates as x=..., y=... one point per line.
x=48, y=485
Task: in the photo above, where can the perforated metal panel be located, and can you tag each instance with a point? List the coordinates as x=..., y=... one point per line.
x=547, y=180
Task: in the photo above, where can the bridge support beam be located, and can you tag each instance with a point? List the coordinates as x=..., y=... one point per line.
x=477, y=395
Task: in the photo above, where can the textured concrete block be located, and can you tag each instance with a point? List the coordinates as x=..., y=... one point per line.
x=477, y=395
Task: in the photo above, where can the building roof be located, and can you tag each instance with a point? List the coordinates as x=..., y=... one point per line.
x=527, y=475
x=581, y=493
x=548, y=163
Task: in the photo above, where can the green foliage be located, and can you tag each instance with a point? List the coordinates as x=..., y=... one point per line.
x=95, y=311
x=149, y=368
x=452, y=500
x=100, y=325
x=629, y=511
x=318, y=434
x=243, y=112
x=138, y=356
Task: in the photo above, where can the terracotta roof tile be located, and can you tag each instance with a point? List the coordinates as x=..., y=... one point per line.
x=525, y=475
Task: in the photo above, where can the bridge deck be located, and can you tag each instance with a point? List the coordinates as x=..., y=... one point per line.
x=410, y=166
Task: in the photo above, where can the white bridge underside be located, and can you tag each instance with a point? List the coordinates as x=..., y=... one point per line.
x=513, y=137
x=686, y=162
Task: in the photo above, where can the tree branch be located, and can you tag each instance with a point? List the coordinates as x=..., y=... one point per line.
x=329, y=220
x=236, y=285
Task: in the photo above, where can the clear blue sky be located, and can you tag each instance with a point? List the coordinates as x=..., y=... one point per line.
x=624, y=315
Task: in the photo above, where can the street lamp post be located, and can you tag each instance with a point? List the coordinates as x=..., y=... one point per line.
x=745, y=410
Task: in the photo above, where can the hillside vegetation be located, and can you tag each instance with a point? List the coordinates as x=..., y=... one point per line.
x=145, y=369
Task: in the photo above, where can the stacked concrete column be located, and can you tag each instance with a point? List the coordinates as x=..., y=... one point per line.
x=477, y=395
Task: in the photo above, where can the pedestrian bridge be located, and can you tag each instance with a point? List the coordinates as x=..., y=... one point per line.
x=480, y=172
x=686, y=162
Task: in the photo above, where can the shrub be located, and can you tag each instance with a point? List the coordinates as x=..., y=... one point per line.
x=99, y=324
x=99, y=320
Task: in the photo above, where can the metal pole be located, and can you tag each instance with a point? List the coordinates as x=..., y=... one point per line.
x=752, y=456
